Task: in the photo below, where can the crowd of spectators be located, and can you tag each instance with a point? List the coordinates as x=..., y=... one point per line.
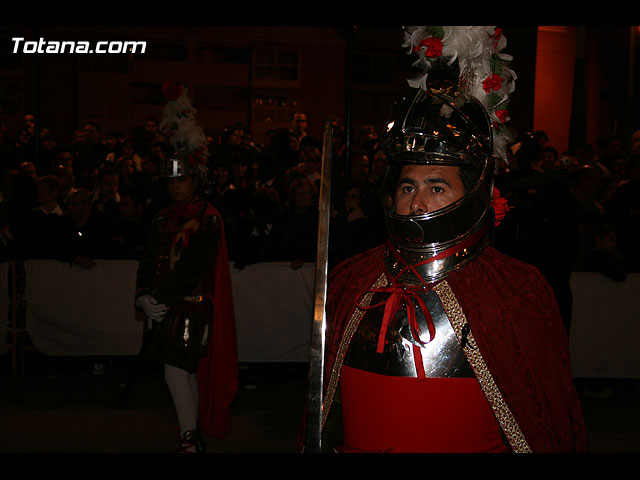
x=91, y=196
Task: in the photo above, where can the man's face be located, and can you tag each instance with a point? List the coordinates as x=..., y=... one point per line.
x=79, y=207
x=109, y=186
x=151, y=127
x=90, y=133
x=299, y=123
x=182, y=189
x=359, y=168
x=45, y=194
x=426, y=188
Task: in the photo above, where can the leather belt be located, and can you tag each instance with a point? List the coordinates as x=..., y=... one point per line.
x=194, y=298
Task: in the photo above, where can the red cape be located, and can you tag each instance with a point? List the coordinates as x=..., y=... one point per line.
x=218, y=371
x=518, y=329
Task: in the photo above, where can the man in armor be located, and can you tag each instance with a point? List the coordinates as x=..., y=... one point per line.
x=437, y=342
x=184, y=289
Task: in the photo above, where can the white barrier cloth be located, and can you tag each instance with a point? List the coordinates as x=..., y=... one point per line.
x=605, y=326
x=71, y=311
x=75, y=311
x=274, y=311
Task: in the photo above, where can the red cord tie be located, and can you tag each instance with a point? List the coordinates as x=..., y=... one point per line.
x=410, y=295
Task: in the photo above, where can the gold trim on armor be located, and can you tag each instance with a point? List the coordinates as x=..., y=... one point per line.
x=351, y=328
x=503, y=414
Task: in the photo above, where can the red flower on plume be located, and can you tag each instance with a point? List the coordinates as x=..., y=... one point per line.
x=171, y=91
x=502, y=115
x=496, y=37
x=433, y=47
x=197, y=157
x=492, y=82
x=500, y=205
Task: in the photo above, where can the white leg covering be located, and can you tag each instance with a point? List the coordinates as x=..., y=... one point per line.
x=184, y=400
x=193, y=381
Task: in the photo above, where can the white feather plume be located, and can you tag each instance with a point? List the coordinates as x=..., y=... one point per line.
x=180, y=125
x=484, y=69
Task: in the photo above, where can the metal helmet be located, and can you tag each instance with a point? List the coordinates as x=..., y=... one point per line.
x=438, y=127
x=183, y=163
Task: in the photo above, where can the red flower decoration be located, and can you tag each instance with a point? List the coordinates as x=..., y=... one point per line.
x=500, y=206
x=502, y=115
x=433, y=47
x=496, y=37
x=493, y=82
x=197, y=157
x=171, y=91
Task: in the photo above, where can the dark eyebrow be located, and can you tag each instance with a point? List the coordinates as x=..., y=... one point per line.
x=407, y=180
x=438, y=180
x=432, y=180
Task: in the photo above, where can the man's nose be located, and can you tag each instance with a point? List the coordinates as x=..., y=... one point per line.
x=420, y=204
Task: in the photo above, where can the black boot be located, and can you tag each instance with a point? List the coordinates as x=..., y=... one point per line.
x=191, y=442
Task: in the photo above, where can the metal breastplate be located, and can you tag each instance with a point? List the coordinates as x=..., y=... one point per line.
x=441, y=357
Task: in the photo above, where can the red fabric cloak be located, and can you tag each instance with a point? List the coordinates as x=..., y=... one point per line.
x=218, y=371
x=515, y=320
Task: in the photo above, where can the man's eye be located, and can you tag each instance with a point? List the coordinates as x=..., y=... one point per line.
x=407, y=189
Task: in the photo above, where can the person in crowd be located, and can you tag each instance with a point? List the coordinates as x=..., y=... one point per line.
x=354, y=230
x=131, y=223
x=21, y=199
x=67, y=184
x=311, y=164
x=29, y=168
x=148, y=136
x=230, y=201
x=128, y=151
x=626, y=210
x=91, y=154
x=603, y=255
x=46, y=234
x=92, y=235
x=548, y=158
x=105, y=197
x=126, y=169
x=113, y=141
x=378, y=166
x=436, y=316
x=299, y=223
x=268, y=172
x=298, y=126
x=635, y=141
x=542, y=228
x=22, y=148
x=48, y=189
x=48, y=154
x=258, y=238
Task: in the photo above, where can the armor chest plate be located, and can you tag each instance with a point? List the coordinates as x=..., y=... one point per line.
x=441, y=357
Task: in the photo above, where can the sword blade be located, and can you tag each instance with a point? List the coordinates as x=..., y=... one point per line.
x=316, y=361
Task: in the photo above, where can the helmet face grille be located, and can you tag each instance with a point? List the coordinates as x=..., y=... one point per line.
x=180, y=165
x=440, y=129
x=173, y=167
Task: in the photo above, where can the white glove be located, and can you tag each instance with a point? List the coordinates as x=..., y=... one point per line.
x=152, y=309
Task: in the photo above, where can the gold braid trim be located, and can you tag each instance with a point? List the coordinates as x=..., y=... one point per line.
x=500, y=409
x=347, y=335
